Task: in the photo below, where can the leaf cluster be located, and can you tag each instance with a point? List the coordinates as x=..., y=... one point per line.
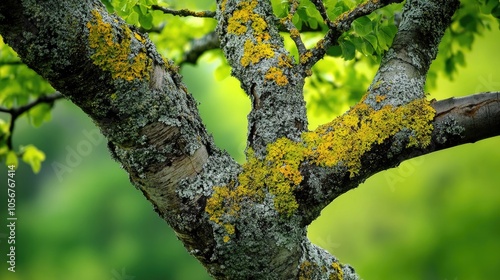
x=20, y=86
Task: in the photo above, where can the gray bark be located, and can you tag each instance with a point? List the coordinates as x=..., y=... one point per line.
x=237, y=226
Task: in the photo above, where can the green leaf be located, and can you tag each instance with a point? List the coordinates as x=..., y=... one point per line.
x=348, y=49
x=4, y=129
x=460, y=58
x=40, y=114
x=33, y=157
x=386, y=35
x=335, y=51
x=469, y=22
x=372, y=39
x=362, y=26
x=133, y=18
x=146, y=21
x=496, y=12
x=11, y=159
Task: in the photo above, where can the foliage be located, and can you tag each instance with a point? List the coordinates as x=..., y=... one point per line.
x=19, y=86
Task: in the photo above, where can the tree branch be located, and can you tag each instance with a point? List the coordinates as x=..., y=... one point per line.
x=290, y=27
x=6, y=63
x=465, y=120
x=406, y=65
x=395, y=95
x=255, y=50
x=455, y=121
x=199, y=47
x=184, y=12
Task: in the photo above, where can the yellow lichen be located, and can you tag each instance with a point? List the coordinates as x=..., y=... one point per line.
x=294, y=33
x=112, y=51
x=306, y=270
x=237, y=23
x=379, y=98
x=339, y=275
x=342, y=141
x=223, y=5
x=275, y=74
x=285, y=61
x=304, y=58
x=349, y=137
x=253, y=53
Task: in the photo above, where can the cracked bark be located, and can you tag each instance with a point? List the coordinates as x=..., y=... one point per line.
x=154, y=129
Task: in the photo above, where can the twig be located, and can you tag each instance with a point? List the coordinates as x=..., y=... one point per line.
x=184, y=12
x=199, y=46
x=322, y=10
x=294, y=32
x=16, y=112
x=15, y=62
x=343, y=24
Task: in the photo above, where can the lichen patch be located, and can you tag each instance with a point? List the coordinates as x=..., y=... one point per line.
x=113, y=52
x=343, y=141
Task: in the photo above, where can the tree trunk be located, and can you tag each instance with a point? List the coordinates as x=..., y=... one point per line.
x=247, y=221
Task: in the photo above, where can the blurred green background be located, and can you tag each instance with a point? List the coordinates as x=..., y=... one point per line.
x=433, y=217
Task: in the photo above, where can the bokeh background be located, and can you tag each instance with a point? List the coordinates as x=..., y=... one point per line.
x=433, y=217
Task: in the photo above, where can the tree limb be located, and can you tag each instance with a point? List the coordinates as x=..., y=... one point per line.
x=199, y=46
x=405, y=64
x=255, y=50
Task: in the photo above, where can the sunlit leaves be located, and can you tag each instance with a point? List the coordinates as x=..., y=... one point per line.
x=33, y=156
x=11, y=159
x=136, y=12
x=19, y=86
x=335, y=85
x=471, y=20
x=40, y=114
x=372, y=35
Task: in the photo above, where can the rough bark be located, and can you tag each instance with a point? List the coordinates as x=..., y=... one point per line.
x=246, y=221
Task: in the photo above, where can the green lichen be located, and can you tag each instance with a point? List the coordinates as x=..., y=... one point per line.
x=342, y=141
x=113, y=52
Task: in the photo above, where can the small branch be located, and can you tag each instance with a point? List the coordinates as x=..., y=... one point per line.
x=184, y=12
x=16, y=62
x=322, y=10
x=341, y=25
x=42, y=99
x=16, y=112
x=406, y=65
x=290, y=27
x=199, y=46
x=474, y=117
x=457, y=121
x=154, y=29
